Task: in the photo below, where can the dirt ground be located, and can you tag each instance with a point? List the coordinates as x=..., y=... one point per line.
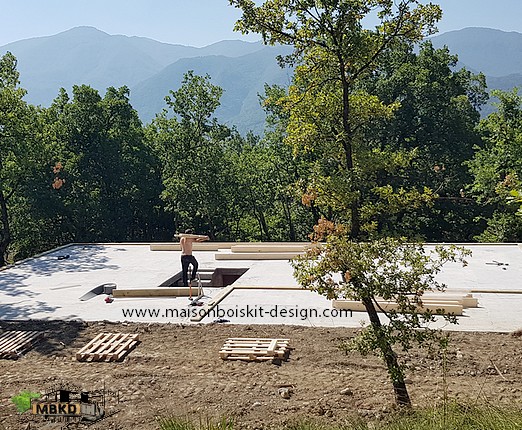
x=176, y=371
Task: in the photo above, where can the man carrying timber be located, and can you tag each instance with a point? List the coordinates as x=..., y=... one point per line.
x=187, y=259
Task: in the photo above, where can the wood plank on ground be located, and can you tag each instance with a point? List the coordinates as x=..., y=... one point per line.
x=207, y=307
x=256, y=255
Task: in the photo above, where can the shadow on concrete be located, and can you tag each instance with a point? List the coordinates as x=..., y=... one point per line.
x=16, y=310
x=12, y=284
x=76, y=258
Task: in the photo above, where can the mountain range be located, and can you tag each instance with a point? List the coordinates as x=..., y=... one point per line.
x=85, y=55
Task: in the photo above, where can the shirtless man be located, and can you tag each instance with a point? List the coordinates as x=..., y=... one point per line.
x=186, y=241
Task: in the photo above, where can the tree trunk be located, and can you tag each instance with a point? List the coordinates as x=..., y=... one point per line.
x=396, y=374
x=355, y=228
x=5, y=232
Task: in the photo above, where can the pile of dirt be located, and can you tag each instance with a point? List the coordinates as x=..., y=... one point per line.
x=176, y=371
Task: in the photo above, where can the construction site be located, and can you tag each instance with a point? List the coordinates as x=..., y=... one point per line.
x=244, y=340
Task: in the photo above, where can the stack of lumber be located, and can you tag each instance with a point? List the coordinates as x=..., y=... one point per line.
x=264, y=251
x=254, y=349
x=437, y=303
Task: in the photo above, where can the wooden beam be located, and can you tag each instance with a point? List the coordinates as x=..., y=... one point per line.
x=207, y=307
x=196, y=246
x=269, y=287
x=154, y=292
x=249, y=248
x=357, y=306
x=495, y=291
x=256, y=256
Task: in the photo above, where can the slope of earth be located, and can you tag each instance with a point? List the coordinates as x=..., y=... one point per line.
x=176, y=371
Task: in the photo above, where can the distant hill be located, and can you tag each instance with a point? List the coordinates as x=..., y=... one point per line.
x=496, y=53
x=242, y=79
x=85, y=55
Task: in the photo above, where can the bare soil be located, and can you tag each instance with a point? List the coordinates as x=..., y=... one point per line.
x=176, y=371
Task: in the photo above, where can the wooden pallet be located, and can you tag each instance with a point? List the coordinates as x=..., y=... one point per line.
x=108, y=347
x=254, y=349
x=15, y=343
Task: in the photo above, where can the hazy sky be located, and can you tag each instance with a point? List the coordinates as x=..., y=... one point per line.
x=198, y=22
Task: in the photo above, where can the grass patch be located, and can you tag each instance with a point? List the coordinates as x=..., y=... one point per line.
x=451, y=417
x=186, y=424
x=458, y=417
x=23, y=400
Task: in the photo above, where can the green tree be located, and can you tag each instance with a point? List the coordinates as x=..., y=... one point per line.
x=385, y=269
x=437, y=117
x=19, y=150
x=332, y=123
x=268, y=176
x=497, y=169
x=102, y=182
x=334, y=52
x=192, y=146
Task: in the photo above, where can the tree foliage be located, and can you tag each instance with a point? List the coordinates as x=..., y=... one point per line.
x=334, y=51
x=19, y=151
x=332, y=118
x=437, y=117
x=385, y=269
x=497, y=169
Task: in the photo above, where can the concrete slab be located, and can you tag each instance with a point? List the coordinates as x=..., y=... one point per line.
x=50, y=287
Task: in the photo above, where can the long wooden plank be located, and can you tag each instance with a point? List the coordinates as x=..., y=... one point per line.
x=196, y=246
x=269, y=287
x=388, y=306
x=494, y=291
x=256, y=255
x=207, y=307
x=467, y=301
x=261, y=339
x=153, y=292
x=247, y=248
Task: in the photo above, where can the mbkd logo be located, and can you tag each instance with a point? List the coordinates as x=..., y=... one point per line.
x=56, y=409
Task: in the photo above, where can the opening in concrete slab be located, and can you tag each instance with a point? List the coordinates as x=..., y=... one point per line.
x=219, y=277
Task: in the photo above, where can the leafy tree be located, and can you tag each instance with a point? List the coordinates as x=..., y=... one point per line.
x=332, y=123
x=192, y=148
x=102, y=183
x=334, y=52
x=386, y=269
x=497, y=169
x=19, y=150
x=269, y=175
x=437, y=118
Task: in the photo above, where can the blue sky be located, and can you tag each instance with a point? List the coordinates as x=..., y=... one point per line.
x=198, y=22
